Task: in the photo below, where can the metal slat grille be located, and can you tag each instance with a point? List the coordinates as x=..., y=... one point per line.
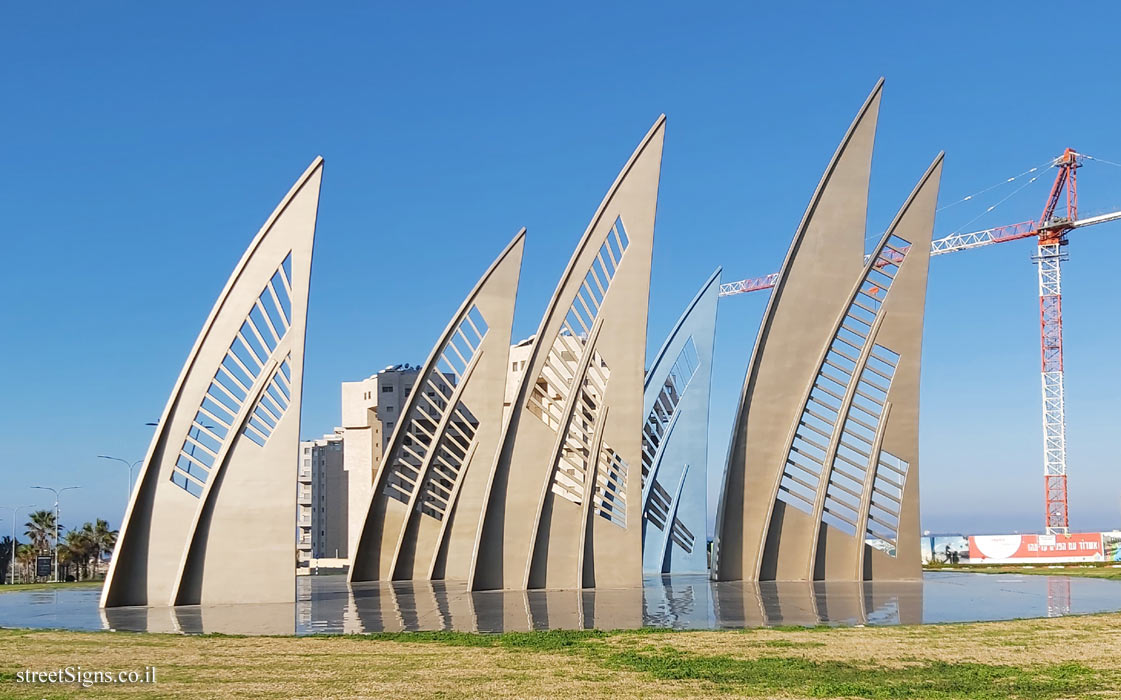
x=255, y=344
x=432, y=403
x=821, y=421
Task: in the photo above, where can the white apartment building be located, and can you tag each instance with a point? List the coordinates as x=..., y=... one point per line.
x=519, y=354
x=337, y=471
x=362, y=442
x=303, y=504
x=321, y=515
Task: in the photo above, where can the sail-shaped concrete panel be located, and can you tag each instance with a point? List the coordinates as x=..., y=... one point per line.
x=215, y=501
x=430, y=489
x=822, y=468
x=888, y=519
x=851, y=460
x=824, y=259
x=675, y=442
x=564, y=508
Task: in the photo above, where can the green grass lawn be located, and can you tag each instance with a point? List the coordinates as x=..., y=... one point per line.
x=23, y=587
x=1071, y=657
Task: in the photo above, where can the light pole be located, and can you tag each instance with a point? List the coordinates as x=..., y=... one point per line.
x=12, y=566
x=57, y=493
x=131, y=466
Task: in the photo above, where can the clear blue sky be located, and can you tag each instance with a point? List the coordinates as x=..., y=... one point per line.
x=144, y=147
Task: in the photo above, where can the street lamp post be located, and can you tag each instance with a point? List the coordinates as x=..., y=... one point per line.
x=57, y=494
x=12, y=566
x=131, y=466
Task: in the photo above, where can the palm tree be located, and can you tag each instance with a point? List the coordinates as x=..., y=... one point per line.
x=41, y=529
x=6, y=545
x=65, y=559
x=104, y=538
x=82, y=547
x=78, y=548
x=25, y=555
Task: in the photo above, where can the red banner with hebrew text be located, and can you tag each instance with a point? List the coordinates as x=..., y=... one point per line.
x=998, y=549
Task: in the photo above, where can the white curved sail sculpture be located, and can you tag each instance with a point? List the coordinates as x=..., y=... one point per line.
x=821, y=481
x=565, y=505
x=675, y=442
x=430, y=489
x=211, y=516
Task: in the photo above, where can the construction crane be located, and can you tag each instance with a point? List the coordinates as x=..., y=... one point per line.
x=1050, y=232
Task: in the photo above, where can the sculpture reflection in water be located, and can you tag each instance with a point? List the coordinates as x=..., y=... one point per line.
x=767, y=603
x=1058, y=596
x=330, y=606
x=242, y=619
x=406, y=606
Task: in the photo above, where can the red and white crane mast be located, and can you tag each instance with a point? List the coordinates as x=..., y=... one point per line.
x=1049, y=257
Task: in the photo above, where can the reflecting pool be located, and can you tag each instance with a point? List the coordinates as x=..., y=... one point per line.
x=326, y=604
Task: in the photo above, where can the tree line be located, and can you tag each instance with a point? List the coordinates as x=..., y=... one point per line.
x=81, y=551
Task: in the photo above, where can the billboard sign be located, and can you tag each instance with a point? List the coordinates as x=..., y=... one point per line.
x=42, y=567
x=945, y=549
x=1111, y=546
x=1000, y=549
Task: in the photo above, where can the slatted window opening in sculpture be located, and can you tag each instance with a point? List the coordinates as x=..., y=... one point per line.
x=443, y=473
x=682, y=536
x=887, y=500
x=429, y=402
x=547, y=399
x=665, y=405
x=575, y=458
x=658, y=506
x=552, y=384
x=610, y=499
x=805, y=462
x=272, y=404
x=890, y=471
x=261, y=332
x=845, y=492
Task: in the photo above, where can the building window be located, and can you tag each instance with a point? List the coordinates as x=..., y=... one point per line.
x=388, y=389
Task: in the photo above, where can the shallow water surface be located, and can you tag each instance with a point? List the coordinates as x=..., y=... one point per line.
x=326, y=604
